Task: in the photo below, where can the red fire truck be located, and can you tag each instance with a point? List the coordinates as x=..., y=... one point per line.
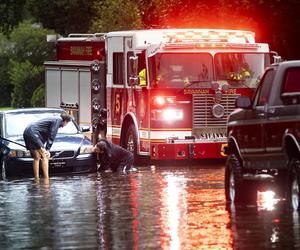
x=164, y=93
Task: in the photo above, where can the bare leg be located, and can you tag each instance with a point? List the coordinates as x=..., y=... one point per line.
x=45, y=167
x=36, y=162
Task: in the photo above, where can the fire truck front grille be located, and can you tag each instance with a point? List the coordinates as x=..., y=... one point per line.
x=203, y=119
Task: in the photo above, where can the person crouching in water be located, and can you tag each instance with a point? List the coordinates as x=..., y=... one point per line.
x=39, y=133
x=113, y=156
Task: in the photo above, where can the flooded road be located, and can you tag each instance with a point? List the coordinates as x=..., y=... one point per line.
x=164, y=207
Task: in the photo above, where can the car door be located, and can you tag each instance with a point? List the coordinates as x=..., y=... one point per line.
x=281, y=117
x=253, y=135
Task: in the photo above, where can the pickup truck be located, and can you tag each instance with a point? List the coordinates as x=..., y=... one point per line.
x=264, y=138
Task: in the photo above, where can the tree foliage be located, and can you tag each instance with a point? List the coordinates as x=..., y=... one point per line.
x=63, y=16
x=28, y=42
x=11, y=13
x=38, y=96
x=116, y=15
x=25, y=78
x=5, y=85
x=28, y=49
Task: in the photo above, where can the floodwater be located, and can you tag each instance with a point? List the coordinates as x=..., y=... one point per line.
x=162, y=207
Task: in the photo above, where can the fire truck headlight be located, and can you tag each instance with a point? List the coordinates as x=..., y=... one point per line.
x=86, y=149
x=162, y=100
x=167, y=114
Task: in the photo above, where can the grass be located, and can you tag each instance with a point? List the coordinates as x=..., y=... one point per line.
x=5, y=108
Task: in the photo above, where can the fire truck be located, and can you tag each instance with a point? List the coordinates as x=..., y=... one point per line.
x=165, y=94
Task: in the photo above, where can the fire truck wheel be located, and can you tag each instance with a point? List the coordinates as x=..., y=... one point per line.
x=130, y=142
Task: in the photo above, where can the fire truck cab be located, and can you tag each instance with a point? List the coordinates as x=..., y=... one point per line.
x=159, y=93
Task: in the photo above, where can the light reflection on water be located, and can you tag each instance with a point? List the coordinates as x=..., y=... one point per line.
x=155, y=208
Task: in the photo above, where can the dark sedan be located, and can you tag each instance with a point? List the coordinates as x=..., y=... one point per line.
x=71, y=151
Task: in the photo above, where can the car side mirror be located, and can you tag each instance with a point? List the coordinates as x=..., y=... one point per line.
x=243, y=102
x=85, y=129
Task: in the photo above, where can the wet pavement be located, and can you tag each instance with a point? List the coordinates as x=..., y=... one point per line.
x=162, y=207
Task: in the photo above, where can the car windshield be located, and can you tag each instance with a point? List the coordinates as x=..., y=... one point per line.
x=16, y=123
x=199, y=70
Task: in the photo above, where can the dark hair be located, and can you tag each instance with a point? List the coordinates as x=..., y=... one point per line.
x=65, y=117
x=101, y=145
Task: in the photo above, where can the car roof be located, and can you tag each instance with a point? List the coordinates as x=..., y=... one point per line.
x=290, y=63
x=31, y=110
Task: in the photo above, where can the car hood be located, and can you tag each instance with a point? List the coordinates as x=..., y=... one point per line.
x=61, y=142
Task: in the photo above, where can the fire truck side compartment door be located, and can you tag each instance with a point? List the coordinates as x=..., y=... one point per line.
x=69, y=86
x=84, y=97
x=53, y=87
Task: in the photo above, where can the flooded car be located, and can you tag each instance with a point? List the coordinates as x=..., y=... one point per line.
x=71, y=151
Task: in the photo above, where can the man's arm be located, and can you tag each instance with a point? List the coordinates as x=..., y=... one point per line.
x=53, y=132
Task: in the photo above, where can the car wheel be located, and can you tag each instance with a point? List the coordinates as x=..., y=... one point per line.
x=130, y=142
x=236, y=189
x=293, y=187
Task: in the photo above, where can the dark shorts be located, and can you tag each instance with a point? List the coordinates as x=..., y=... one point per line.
x=32, y=141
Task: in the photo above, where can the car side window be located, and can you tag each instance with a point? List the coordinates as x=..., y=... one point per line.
x=265, y=88
x=292, y=81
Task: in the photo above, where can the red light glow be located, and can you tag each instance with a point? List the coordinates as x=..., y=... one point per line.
x=159, y=100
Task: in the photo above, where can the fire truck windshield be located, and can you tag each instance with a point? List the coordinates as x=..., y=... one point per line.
x=239, y=69
x=174, y=70
x=199, y=70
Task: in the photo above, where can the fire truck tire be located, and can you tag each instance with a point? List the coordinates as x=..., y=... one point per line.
x=130, y=141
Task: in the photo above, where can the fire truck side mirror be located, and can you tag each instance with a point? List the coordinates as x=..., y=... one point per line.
x=134, y=80
x=133, y=66
x=276, y=58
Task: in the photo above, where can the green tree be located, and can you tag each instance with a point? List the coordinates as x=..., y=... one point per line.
x=63, y=16
x=25, y=78
x=38, y=97
x=5, y=85
x=11, y=13
x=28, y=42
x=116, y=15
x=28, y=51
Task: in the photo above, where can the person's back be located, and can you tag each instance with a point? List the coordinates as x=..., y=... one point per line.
x=46, y=129
x=37, y=134
x=114, y=156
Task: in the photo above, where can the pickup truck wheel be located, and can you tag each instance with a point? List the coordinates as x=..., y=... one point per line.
x=294, y=182
x=232, y=179
x=236, y=190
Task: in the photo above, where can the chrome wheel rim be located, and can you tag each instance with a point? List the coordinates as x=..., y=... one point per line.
x=130, y=143
x=231, y=186
x=295, y=194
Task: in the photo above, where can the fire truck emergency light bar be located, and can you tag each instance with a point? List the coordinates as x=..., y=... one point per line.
x=204, y=35
x=210, y=45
